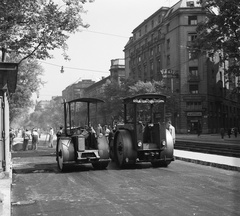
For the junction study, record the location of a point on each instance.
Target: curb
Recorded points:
(222, 166)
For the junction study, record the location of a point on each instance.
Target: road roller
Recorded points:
(79, 144)
(142, 135)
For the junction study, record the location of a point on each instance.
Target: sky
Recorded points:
(91, 50)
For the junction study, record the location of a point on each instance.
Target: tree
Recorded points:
(51, 115)
(220, 32)
(146, 87)
(31, 29)
(28, 82)
(114, 92)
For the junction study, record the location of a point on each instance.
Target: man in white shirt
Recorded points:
(172, 131)
(50, 145)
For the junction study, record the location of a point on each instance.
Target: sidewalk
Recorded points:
(5, 194)
(219, 161)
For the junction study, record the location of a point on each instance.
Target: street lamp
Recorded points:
(62, 70)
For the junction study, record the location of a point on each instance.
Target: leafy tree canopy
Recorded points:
(146, 87)
(114, 92)
(28, 82)
(33, 28)
(220, 31)
(50, 115)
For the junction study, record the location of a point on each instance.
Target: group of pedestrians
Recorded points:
(34, 135)
(105, 130)
(30, 135)
(229, 132)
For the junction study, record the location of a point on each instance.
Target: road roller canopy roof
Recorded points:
(149, 98)
(87, 100)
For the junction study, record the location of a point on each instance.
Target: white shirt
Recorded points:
(172, 132)
(51, 132)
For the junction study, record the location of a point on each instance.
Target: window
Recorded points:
(190, 3)
(192, 54)
(168, 59)
(145, 68)
(159, 18)
(134, 36)
(192, 36)
(192, 20)
(193, 89)
(145, 28)
(152, 23)
(151, 66)
(139, 59)
(158, 64)
(168, 25)
(152, 36)
(151, 52)
(168, 43)
(193, 71)
(196, 105)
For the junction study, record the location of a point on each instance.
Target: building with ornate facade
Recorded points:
(159, 50)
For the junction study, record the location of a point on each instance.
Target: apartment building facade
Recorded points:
(76, 90)
(159, 50)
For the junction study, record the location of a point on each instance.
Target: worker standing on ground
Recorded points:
(222, 132)
(172, 131)
(59, 133)
(34, 139)
(50, 141)
(99, 130)
(26, 138)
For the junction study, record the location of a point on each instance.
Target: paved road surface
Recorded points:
(181, 189)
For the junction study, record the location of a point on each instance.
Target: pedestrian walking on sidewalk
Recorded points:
(235, 132)
(199, 129)
(229, 132)
(222, 132)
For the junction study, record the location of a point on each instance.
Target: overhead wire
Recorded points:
(73, 68)
(103, 33)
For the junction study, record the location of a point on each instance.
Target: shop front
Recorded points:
(194, 122)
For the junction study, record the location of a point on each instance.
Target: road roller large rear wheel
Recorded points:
(65, 153)
(167, 153)
(123, 148)
(60, 153)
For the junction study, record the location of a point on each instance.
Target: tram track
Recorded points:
(223, 149)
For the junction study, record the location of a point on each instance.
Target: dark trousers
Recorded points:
(25, 144)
